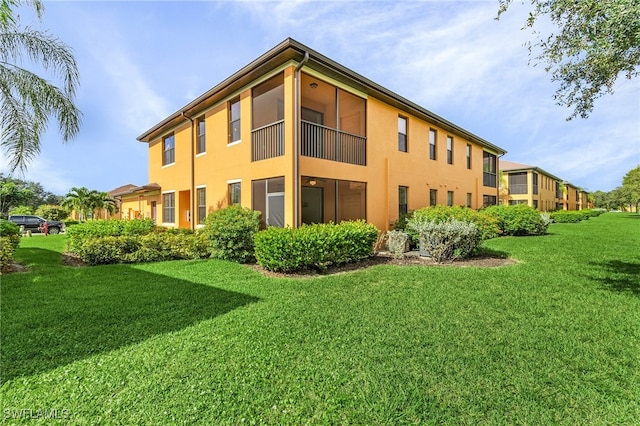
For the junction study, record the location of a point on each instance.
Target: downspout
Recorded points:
(193, 176)
(498, 177)
(296, 141)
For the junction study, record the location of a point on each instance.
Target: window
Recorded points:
(449, 198)
(468, 156)
(489, 200)
(234, 120)
(535, 204)
(201, 194)
(169, 207)
(402, 134)
(268, 198)
(489, 169)
(469, 197)
(433, 136)
(234, 193)
(518, 183)
(201, 147)
(402, 200)
(535, 183)
(433, 197)
(168, 150)
(449, 150)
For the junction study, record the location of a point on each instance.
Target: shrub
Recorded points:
(9, 241)
(77, 234)
(51, 212)
(154, 247)
(397, 242)
(21, 210)
(569, 216)
(314, 246)
(519, 219)
(447, 240)
(230, 231)
(487, 225)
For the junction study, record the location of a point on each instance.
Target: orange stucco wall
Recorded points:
(386, 169)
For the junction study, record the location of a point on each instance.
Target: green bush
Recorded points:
(154, 247)
(9, 242)
(519, 219)
(446, 240)
(569, 216)
(230, 231)
(51, 212)
(314, 246)
(487, 225)
(21, 210)
(77, 234)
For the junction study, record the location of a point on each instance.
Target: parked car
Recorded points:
(34, 223)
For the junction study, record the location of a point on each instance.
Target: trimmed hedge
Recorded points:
(230, 231)
(9, 242)
(155, 247)
(314, 246)
(570, 216)
(78, 234)
(519, 219)
(487, 225)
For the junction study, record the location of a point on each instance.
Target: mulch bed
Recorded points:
(383, 258)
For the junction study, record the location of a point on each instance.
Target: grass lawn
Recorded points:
(553, 339)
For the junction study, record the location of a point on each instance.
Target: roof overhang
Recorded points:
(291, 50)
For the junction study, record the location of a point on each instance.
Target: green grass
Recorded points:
(554, 339)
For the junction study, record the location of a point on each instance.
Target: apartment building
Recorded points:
(531, 185)
(303, 139)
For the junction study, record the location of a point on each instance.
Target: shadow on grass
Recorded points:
(621, 276)
(488, 252)
(53, 319)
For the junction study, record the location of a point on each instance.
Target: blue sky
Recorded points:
(140, 61)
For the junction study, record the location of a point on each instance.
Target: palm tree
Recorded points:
(102, 204)
(80, 200)
(27, 100)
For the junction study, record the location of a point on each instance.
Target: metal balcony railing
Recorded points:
(331, 144)
(518, 188)
(267, 141)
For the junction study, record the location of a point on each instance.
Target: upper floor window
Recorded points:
(449, 150)
(518, 183)
(402, 199)
(535, 183)
(201, 146)
(489, 169)
(234, 120)
(468, 156)
(433, 136)
(168, 150)
(402, 134)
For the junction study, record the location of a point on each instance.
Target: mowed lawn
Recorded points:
(553, 339)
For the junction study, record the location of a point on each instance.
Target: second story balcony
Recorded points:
(323, 142)
(520, 188)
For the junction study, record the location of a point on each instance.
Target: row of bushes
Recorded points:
(574, 216)
(9, 241)
(154, 247)
(232, 233)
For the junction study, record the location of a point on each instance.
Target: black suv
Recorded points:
(33, 223)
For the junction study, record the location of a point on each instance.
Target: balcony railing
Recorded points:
(267, 141)
(330, 144)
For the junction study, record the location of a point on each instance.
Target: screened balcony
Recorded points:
(332, 125)
(267, 136)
